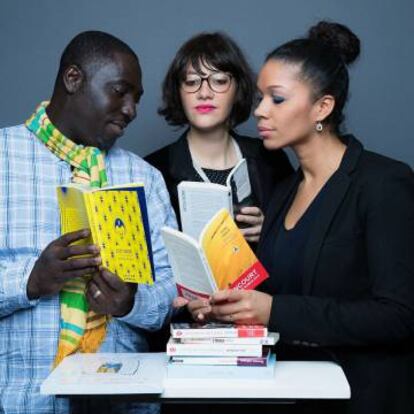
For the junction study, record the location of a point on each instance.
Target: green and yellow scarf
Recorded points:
(80, 329)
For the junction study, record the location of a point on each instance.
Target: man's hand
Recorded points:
(253, 217)
(241, 306)
(107, 294)
(57, 264)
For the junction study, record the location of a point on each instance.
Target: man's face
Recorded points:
(106, 102)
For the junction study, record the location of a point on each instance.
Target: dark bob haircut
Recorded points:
(323, 58)
(218, 52)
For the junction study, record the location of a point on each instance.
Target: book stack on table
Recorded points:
(218, 350)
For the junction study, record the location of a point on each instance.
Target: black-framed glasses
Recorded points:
(218, 82)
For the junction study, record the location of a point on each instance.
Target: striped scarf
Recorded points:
(80, 329)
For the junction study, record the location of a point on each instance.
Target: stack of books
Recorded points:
(220, 350)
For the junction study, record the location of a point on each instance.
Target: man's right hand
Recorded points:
(57, 264)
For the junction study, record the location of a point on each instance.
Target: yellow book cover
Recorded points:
(118, 220)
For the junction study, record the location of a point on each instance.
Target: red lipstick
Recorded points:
(205, 109)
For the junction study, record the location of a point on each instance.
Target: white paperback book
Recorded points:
(107, 373)
(271, 339)
(232, 372)
(174, 347)
(219, 259)
(199, 201)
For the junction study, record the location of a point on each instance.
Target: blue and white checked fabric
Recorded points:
(29, 221)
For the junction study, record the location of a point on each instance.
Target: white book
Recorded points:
(107, 373)
(270, 340)
(244, 361)
(216, 330)
(200, 201)
(220, 259)
(175, 348)
(233, 372)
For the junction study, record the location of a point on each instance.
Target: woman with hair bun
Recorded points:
(338, 236)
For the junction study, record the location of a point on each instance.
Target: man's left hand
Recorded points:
(107, 294)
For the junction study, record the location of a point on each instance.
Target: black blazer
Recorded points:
(265, 168)
(357, 299)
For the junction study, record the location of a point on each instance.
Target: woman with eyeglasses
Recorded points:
(209, 90)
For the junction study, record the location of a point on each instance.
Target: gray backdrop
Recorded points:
(380, 110)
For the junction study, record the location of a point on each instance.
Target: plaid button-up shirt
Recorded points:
(29, 221)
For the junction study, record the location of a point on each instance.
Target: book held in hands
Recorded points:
(220, 259)
(118, 219)
(200, 201)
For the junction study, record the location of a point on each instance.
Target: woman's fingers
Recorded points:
(179, 302)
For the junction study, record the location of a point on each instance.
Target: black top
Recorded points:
(283, 251)
(217, 176)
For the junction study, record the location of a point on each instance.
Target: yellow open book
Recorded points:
(220, 259)
(118, 220)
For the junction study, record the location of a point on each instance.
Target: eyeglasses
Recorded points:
(218, 82)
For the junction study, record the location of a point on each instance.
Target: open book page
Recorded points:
(199, 202)
(232, 261)
(107, 373)
(239, 182)
(191, 272)
(73, 211)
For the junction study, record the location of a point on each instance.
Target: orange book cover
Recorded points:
(220, 259)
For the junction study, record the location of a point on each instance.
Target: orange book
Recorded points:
(220, 259)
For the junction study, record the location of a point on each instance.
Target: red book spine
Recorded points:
(247, 332)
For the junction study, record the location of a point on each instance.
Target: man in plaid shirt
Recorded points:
(95, 96)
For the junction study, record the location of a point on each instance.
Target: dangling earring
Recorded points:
(319, 126)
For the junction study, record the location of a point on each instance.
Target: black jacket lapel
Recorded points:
(180, 162)
(335, 191)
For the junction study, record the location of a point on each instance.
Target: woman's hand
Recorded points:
(241, 306)
(253, 217)
(199, 308)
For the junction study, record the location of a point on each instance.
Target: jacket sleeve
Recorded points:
(386, 315)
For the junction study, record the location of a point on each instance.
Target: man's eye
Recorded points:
(118, 90)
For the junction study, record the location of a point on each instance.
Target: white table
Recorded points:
(293, 380)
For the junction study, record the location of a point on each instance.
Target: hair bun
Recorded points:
(338, 37)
